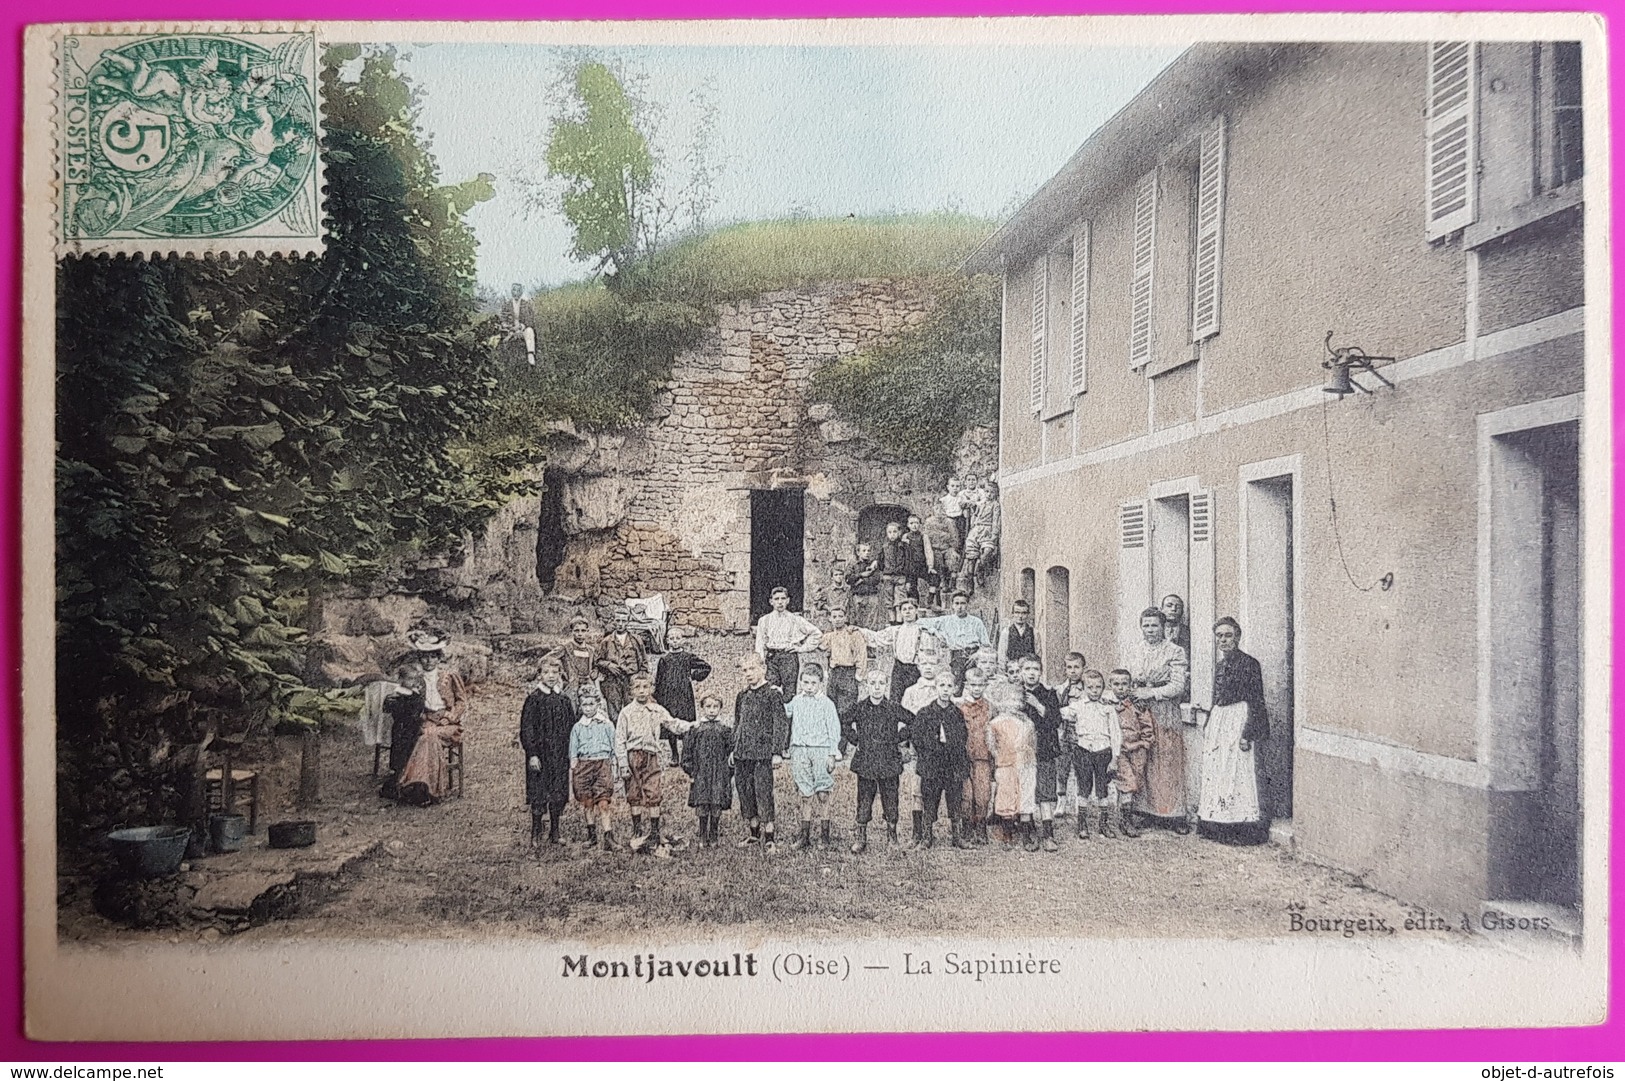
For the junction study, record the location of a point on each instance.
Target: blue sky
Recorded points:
(815, 130)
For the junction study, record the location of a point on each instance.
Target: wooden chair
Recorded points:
(223, 783)
(454, 767)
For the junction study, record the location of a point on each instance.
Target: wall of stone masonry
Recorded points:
(665, 507)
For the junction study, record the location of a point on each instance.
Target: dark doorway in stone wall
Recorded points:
(778, 519)
(872, 524)
(550, 530)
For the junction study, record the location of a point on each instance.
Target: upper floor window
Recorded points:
(1559, 135)
(1504, 135)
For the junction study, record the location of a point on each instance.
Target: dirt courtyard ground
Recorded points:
(464, 869)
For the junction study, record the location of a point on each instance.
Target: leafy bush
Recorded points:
(918, 393)
(231, 434)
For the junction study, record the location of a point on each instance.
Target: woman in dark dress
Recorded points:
(1230, 809)
(404, 708)
(544, 733)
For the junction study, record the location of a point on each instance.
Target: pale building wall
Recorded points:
(1323, 230)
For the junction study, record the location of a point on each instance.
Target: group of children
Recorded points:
(958, 721)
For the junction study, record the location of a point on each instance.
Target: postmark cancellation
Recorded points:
(189, 141)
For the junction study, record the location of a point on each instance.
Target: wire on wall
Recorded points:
(1387, 580)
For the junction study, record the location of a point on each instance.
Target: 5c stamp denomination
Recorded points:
(190, 142)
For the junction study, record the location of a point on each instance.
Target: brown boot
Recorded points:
(1106, 822)
(1125, 821)
(1083, 822)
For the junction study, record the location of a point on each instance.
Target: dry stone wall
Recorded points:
(666, 507)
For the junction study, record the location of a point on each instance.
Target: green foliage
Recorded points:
(918, 393)
(233, 433)
(602, 157)
(605, 348)
(759, 257)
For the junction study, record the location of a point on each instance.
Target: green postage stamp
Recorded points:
(188, 141)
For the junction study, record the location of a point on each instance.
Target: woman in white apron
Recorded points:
(1229, 809)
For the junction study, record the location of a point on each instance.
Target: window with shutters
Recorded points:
(1040, 332)
(1143, 263)
(1078, 332)
(1208, 233)
(1529, 121)
(1559, 136)
(1452, 137)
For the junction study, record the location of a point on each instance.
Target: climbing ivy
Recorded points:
(234, 434)
(918, 393)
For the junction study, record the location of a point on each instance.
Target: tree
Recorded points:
(234, 434)
(611, 177)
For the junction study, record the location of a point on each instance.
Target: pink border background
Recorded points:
(1604, 1042)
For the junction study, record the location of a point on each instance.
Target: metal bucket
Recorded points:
(226, 832)
(149, 851)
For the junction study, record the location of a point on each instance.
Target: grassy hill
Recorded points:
(758, 257)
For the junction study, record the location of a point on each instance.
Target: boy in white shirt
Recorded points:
(1097, 739)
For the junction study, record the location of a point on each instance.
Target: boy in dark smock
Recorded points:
(545, 721)
(938, 736)
(761, 736)
(1043, 708)
(675, 677)
(877, 727)
(707, 753)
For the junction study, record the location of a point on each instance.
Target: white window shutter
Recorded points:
(1133, 571)
(1452, 137)
(1145, 250)
(1079, 337)
(1208, 270)
(1201, 614)
(1040, 328)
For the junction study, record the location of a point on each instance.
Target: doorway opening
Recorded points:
(778, 520)
(550, 535)
(1057, 621)
(1269, 632)
(1534, 693)
(1170, 550)
(872, 524)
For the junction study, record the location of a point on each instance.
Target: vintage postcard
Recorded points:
(1031, 524)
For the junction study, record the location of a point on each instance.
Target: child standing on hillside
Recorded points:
(1014, 745)
(877, 727)
(848, 660)
(578, 661)
(592, 766)
(978, 713)
(707, 759)
(638, 732)
(761, 736)
(620, 656)
(675, 677)
(545, 723)
(815, 737)
(1139, 732)
(782, 637)
(1096, 741)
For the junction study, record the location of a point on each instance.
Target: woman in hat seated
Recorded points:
(426, 778)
